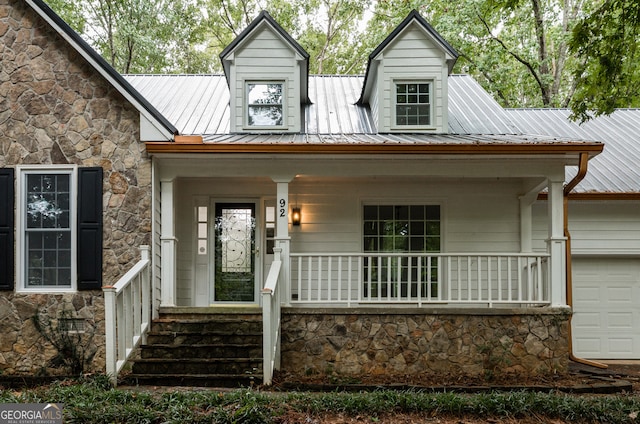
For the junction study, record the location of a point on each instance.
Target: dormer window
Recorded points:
(413, 104)
(265, 108)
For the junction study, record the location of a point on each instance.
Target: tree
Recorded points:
(607, 43)
(517, 49)
(70, 11)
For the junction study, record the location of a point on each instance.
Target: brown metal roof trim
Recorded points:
(598, 196)
(434, 148)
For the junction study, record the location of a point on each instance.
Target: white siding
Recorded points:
(223, 190)
(265, 56)
(477, 216)
(412, 56)
(596, 227)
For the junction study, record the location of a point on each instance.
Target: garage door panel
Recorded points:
(621, 347)
(620, 320)
(606, 321)
(587, 294)
(587, 320)
(588, 346)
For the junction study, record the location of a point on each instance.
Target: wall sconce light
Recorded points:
(295, 216)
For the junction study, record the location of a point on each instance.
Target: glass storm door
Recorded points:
(235, 229)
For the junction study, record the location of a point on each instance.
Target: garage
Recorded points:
(606, 300)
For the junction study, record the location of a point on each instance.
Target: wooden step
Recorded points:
(196, 380)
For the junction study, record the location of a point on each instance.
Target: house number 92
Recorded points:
(283, 210)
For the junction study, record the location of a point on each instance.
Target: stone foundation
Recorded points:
(461, 341)
(25, 351)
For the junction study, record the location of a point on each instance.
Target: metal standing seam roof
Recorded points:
(617, 168)
(199, 105)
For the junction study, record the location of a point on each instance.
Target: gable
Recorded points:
(267, 73)
(413, 57)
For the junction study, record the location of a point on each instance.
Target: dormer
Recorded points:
(267, 73)
(406, 80)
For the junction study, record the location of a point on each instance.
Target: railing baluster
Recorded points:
(349, 280)
(360, 281)
(319, 278)
(428, 278)
(299, 278)
(310, 266)
(520, 270)
(398, 284)
(529, 281)
(489, 286)
(389, 278)
(419, 281)
(499, 269)
(509, 280)
(339, 278)
(439, 278)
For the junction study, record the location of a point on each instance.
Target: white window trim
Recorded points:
(431, 82)
(21, 254)
(245, 111)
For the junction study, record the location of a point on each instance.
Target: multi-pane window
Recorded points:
(401, 229)
(265, 104)
(48, 229)
(413, 104)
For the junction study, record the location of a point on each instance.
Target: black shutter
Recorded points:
(89, 228)
(7, 239)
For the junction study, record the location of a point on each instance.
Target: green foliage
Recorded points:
(70, 11)
(94, 401)
(608, 43)
(526, 53)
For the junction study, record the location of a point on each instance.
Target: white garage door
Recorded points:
(606, 301)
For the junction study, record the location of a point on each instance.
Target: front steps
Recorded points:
(213, 347)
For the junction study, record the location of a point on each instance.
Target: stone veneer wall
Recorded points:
(56, 109)
(461, 341)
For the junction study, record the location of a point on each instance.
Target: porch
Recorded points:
(358, 313)
(437, 250)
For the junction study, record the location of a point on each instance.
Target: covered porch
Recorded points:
(430, 238)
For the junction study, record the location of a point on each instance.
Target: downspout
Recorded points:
(582, 171)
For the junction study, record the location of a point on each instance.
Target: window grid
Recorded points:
(48, 230)
(413, 104)
(401, 228)
(265, 104)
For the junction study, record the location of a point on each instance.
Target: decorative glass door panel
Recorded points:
(235, 229)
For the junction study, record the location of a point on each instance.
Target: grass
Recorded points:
(94, 401)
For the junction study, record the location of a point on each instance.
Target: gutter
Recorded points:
(582, 171)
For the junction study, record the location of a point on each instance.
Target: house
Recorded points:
(389, 223)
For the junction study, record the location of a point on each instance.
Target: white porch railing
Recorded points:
(407, 278)
(271, 300)
(127, 313)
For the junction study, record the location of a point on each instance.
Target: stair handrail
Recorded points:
(271, 319)
(127, 312)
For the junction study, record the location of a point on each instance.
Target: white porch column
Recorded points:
(168, 244)
(557, 244)
(526, 225)
(282, 234)
(526, 214)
